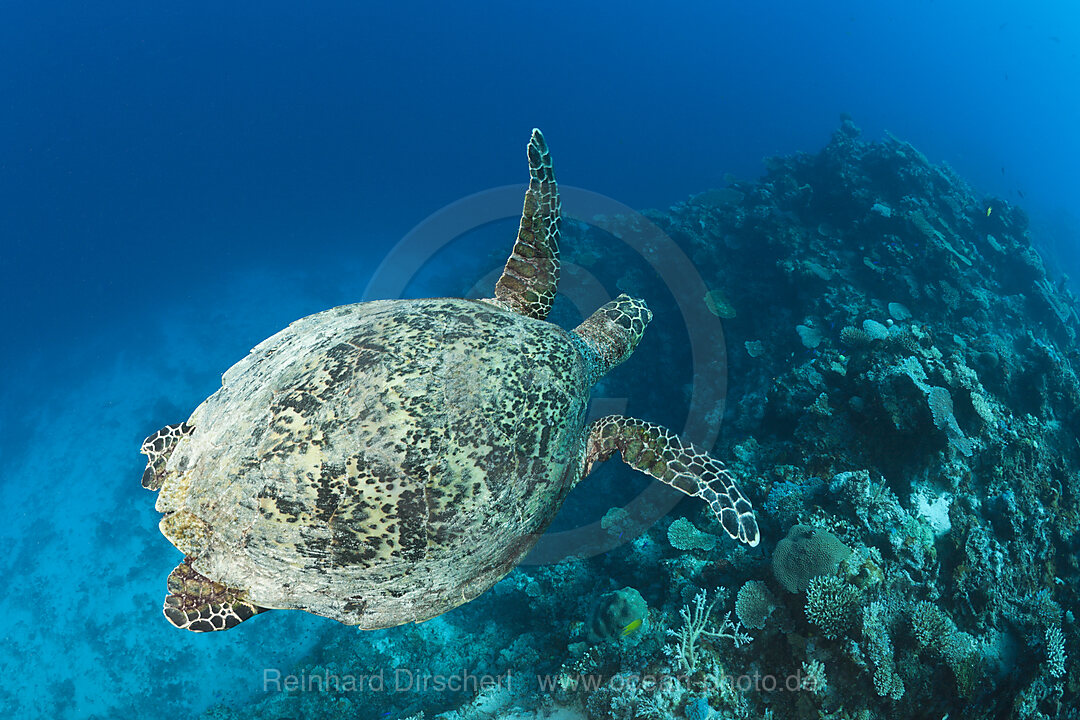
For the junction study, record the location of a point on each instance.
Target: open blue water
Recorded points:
(179, 181)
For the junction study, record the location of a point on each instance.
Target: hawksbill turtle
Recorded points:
(384, 462)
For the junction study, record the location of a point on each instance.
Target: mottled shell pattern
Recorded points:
(376, 462)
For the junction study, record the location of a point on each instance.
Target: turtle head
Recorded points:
(610, 334)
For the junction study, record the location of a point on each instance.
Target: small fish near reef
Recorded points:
(384, 462)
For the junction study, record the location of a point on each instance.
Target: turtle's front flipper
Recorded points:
(157, 448)
(657, 451)
(531, 277)
(198, 604)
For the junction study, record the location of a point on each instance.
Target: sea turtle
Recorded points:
(384, 462)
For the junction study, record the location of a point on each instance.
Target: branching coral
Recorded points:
(887, 682)
(934, 629)
(696, 626)
(1055, 652)
(831, 603)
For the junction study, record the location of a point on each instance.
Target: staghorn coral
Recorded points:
(695, 627)
(877, 632)
(854, 337)
(934, 630)
(929, 624)
(1055, 652)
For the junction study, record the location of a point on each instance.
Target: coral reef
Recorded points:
(905, 393)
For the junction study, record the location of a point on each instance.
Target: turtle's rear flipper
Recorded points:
(198, 604)
(531, 276)
(658, 452)
(157, 448)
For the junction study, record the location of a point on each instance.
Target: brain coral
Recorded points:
(805, 553)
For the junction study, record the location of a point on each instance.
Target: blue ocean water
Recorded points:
(179, 182)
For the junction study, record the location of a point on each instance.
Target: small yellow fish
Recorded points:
(631, 627)
(988, 209)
